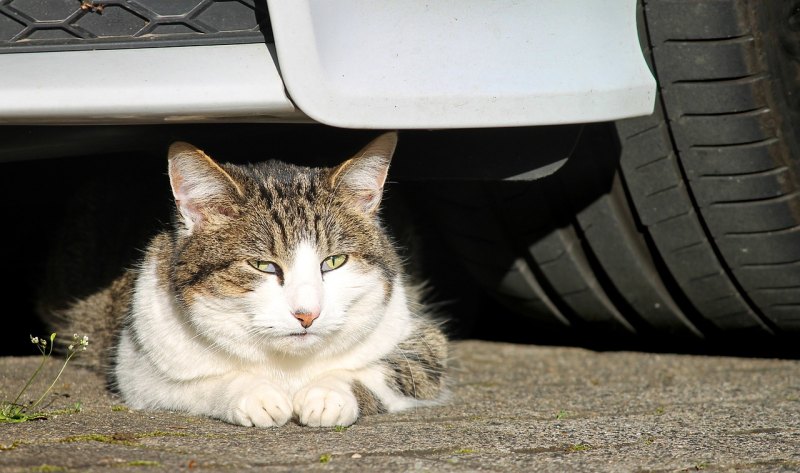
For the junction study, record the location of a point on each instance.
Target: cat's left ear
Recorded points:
(204, 192)
(362, 177)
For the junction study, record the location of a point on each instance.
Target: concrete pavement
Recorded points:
(513, 408)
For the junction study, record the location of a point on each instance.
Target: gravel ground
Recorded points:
(513, 408)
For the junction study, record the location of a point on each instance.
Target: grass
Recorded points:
(340, 428)
(13, 412)
(561, 414)
(325, 458)
(73, 409)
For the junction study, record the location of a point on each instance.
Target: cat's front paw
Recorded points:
(260, 404)
(326, 404)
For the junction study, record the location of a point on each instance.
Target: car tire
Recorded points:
(690, 228)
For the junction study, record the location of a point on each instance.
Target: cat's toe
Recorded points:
(263, 407)
(320, 406)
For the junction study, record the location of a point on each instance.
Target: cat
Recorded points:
(275, 295)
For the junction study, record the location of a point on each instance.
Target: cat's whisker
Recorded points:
(213, 347)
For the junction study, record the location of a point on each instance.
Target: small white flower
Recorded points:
(34, 340)
(75, 336)
(71, 347)
(84, 341)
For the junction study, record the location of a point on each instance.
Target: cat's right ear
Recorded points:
(204, 192)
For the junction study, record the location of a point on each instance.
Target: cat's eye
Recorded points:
(333, 262)
(265, 266)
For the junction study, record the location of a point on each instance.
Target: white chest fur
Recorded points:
(162, 353)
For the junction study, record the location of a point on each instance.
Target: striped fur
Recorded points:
(197, 327)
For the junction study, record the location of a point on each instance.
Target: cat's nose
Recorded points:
(306, 317)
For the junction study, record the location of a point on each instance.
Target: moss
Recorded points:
(48, 468)
(465, 451)
(340, 428)
(122, 438)
(119, 408)
(11, 446)
(562, 414)
(160, 433)
(89, 438)
(325, 458)
(143, 463)
(579, 447)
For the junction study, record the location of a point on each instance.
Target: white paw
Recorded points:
(326, 404)
(259, 404)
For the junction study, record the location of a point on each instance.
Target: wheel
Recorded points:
(685, 223)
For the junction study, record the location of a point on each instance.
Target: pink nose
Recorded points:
(305, 317)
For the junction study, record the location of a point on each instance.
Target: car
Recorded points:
(617, 170)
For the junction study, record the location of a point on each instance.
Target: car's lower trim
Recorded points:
(155, 85)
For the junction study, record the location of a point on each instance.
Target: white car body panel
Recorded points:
(176, 84)
(360, 64)
(461, 63)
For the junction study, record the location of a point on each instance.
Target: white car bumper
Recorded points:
(360, 64)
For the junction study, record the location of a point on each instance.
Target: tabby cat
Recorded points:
(275, 295)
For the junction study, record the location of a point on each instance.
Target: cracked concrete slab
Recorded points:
(513, 408)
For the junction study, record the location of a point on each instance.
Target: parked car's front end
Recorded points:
(653, 146)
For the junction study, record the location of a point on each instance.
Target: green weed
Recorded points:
(13, 411)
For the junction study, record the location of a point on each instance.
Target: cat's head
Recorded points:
(276, 257)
